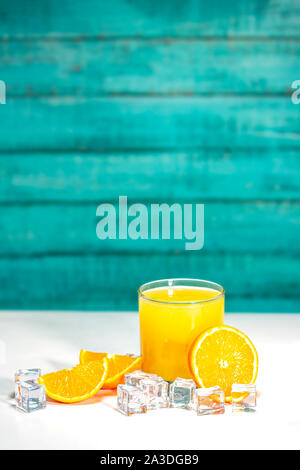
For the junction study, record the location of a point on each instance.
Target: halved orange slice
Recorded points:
(221, 356)
(76, 384)
(118, 365)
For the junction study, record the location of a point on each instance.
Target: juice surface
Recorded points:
(168, 329)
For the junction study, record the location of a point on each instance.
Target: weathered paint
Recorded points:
(162, 102)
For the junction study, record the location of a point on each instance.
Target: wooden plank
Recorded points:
(93, 68)
(111, 281)
(262, 305)
(150, 18)
(256, 227)
(70, 123)
(200, 175)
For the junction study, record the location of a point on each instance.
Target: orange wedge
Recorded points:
(117, 365)
(221, 356)
(76, 384)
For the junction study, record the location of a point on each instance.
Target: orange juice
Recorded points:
(172, 314)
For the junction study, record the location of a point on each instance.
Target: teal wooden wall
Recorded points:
(163, 101)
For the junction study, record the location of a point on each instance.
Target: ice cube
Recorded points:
(209, 401)
(134, 378)
(182, 393)
(31, 396)
(131, 400)
(22, 375)
(156, 392)
(243, 397)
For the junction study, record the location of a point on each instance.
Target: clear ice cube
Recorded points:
(31, 396)
(23, 375)
(156, 392)
(131, 400)
(243, 397)
(182, 393)
(134, 378)
(209, 401)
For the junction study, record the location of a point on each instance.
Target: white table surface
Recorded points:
(53, 340)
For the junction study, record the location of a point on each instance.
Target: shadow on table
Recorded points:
(7, 393)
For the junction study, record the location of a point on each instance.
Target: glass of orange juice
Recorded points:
(173, 312)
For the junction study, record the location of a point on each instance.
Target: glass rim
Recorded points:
(217, 287)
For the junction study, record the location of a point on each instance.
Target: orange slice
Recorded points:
(76, 384)
(117, 365)
(221, 356)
